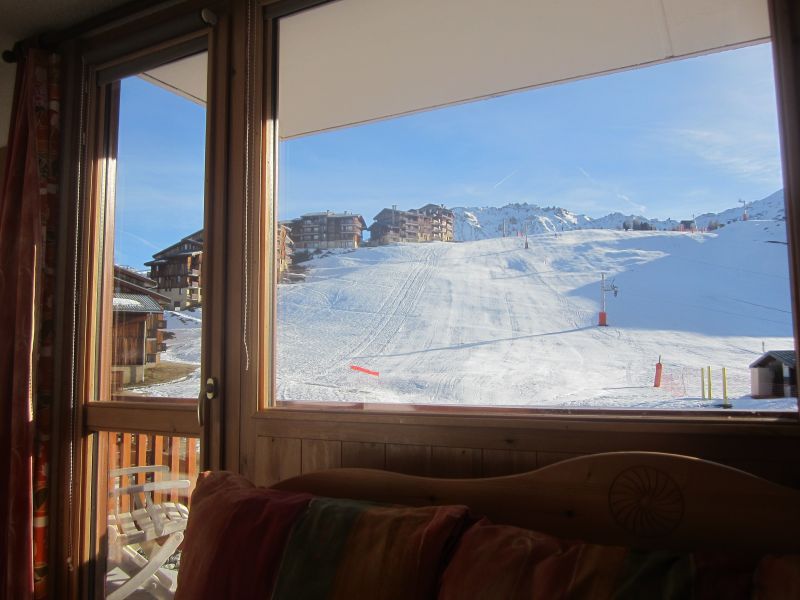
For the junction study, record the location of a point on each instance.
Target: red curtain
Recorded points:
(28, 225)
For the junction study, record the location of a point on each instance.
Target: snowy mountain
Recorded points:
(489, 222)
(472, 223)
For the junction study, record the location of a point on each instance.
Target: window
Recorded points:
(160, 156)
(261, 444)
(143, 379)
(496, 269)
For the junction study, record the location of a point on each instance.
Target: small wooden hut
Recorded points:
(773, 375)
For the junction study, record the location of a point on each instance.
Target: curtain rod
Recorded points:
(93, 25)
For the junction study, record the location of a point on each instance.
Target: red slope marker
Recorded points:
(363, 370)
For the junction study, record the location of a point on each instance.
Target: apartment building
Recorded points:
(327, 230)
(432, 222)
(177, 271)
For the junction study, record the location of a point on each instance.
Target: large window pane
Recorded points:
(158, 234)
(616, 242)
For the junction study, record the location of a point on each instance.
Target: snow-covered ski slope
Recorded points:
(490, 323)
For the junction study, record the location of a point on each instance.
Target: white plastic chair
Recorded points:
(142, 526)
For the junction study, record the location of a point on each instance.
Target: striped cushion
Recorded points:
(347, 549)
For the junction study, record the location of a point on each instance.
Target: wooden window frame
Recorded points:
(242, 428)
(785, 61)
(279, 440)
(104, 50)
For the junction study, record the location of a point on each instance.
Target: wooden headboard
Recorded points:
(641, 499)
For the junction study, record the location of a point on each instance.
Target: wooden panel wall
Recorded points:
(291, 442)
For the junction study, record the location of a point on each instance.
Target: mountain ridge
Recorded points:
(478, 223)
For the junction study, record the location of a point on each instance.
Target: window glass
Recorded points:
(614, 242)
(150, 321)
(158, 233)
(150, 482)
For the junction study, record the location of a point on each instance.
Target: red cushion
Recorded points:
(235, 537)
(494, 561)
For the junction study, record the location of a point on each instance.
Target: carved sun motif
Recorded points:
(645, 501)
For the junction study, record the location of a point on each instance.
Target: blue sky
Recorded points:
(685, 137)
(160, 171)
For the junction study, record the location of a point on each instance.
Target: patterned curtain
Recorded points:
(28, 226)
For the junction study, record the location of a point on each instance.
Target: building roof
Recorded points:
(127, 273)
(388, 213)
(125, 286)
(333, 215)
(785, 357)
(196, 239)
(135, 303)
(198, 236)
(435, 207)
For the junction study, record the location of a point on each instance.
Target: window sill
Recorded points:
(533, 413)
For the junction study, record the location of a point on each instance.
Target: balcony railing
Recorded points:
(180, 454)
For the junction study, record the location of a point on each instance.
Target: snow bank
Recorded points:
(185, 319)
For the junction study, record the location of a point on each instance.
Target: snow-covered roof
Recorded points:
(138, 303)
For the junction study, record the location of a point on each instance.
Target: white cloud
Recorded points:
(588, 177)
(607, 190)
(641, 208)
(504, 179)
(743, 152)
(141, 240)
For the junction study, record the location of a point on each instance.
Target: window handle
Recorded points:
(208, 394)
(209, 17)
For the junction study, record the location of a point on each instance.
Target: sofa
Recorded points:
(245, 541)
